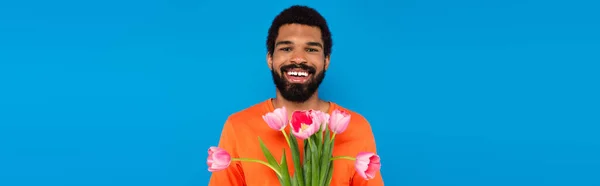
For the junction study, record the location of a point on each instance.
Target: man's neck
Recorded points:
(313, 103)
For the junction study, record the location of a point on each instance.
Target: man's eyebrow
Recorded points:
(283, 43)
(314, 44)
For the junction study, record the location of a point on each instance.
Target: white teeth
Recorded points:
(298, 73)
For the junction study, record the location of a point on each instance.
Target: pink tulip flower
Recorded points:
(277, 119)
(367, 164)
(218, 159)
(303, 125)
(320, 118)
(339, 120)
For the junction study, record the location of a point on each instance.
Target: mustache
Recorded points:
(302, 66)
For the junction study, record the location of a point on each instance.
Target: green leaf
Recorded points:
(319, 141)
(314, 162)
(330, 167)
(306, 164)
(285, 174)
(298, 172)
(315, 149)
(320, 144)
(271, 160)
(325, 158)
(329, 173)
(282, 160)
(308, 175)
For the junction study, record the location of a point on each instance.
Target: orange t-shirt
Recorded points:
(240, 138)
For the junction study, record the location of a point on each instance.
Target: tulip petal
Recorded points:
(339, 121)
(367, 164)
(277, 120)
(218, 159)
(302, 124)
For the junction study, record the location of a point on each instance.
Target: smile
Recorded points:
(297, 75)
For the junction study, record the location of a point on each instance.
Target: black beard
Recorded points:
(296, 92)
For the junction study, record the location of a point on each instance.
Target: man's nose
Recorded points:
(298, 60)
(298, 57)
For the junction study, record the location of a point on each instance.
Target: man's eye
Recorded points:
(311, 50)
(285, 49)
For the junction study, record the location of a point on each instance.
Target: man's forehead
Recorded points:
(309, 43)
(299, 30)
(298, 34)
(286, 41)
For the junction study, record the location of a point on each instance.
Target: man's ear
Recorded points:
(269, 60)
(327, 58)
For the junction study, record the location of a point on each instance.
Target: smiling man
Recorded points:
(298, 54)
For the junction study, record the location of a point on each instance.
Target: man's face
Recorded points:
(298, 63)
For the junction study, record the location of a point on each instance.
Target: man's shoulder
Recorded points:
(251, 112)
(358, 128)
(355, 116)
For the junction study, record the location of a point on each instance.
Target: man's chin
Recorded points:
(303, 84)
(296, 94)
(297, 91)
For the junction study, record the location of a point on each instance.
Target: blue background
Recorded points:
(465, 93)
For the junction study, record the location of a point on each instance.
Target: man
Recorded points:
(299, 47)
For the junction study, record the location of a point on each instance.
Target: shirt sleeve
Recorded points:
(369, 146)
(233, 175)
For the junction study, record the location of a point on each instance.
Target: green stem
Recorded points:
(310, 145)
(333, 136)
(286, 138)
(343, 157)
(257, 161)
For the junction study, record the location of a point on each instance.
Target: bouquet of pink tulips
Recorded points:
(317, 130)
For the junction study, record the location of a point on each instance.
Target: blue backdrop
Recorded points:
(465, 93)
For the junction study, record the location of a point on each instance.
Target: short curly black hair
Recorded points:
(304, 15)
